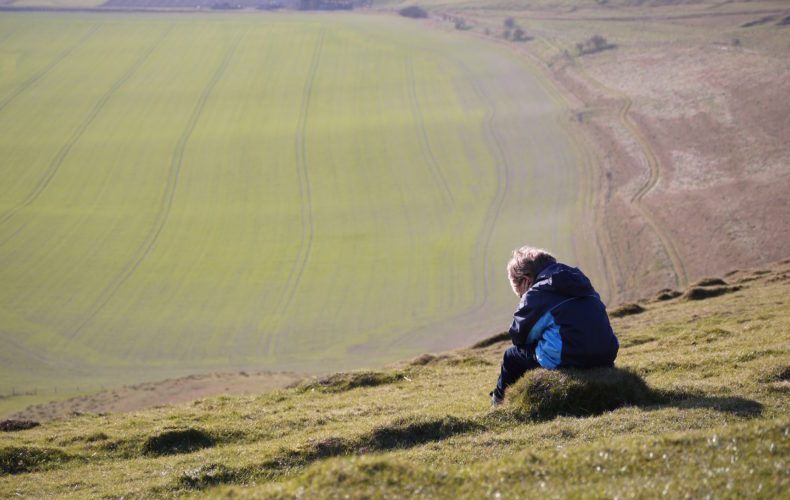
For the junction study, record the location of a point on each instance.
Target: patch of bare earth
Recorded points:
(161, 393)
(715, 114)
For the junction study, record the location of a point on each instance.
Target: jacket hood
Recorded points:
(564, 280)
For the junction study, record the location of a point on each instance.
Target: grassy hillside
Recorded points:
(298, 192)
(704, 375)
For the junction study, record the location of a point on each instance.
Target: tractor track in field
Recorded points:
(670, 247)
(483, 239)
(422, 136)
(654, 173)
(167, 198)
(57, 161)
(306, 245)
(46, 69)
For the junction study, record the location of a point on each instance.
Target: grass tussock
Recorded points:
(21, 459)
(707, 282)
(494, 339)
(667, 294)
(701, 293)
(177, 441)
(341, 382)
(17, 425)
(779, 373)
(546, 394)
(626, 310)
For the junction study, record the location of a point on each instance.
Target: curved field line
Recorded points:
(482, 241)
(422, 136)
(306, 244)
(57, 161)
(588, 194)
(167, 197)
(670, 248)
(46, 69)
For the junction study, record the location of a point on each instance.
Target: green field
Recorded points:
(303, 192)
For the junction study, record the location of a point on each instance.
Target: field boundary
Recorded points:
(167, 198)
(57, 161)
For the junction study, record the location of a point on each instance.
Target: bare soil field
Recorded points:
(687, 114)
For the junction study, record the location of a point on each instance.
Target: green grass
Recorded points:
(697, 406)
(299, 192)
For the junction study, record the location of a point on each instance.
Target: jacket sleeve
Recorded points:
(525, 317)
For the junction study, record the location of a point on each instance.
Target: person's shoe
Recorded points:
(496, 400)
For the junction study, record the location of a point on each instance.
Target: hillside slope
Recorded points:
(717, 358)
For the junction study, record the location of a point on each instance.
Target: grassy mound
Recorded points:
(706, 282)
(667, 294)
(177, 441)
(626, 310)
(546, 394)
(341, 382)
(701, 293)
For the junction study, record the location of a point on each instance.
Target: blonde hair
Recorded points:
(528, 262)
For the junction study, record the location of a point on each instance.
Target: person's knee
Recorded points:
(512, 357)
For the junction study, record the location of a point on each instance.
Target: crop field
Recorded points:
(284, 192)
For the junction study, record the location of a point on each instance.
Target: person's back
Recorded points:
(563, 315)
(560, 322)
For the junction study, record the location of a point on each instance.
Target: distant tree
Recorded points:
(506, 34)
(510, 23)
(520, 36)
(595, 43)
(460, 24)
(413, 11)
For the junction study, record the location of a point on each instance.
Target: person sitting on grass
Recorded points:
(560, 322)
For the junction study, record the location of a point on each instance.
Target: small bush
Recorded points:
(545, 394)
(595, 43)
(177, 441)
(626, 310)
(413, 12)
(21, 459)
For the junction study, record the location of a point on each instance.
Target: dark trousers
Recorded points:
(515, 363)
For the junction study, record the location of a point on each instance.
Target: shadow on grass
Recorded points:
(405, 432)
(546, 394)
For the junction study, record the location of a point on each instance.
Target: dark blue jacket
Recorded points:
(563, 318)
